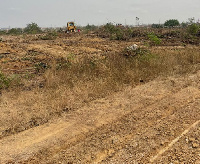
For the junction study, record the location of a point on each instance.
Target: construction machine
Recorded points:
(71, 27)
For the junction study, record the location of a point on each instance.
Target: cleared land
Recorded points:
(77, 99)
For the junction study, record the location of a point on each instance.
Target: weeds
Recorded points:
(115, 32)
(4, 81)
(74, 80)
(41, 67)
(49, 36)
(154, 40)
(62, 63)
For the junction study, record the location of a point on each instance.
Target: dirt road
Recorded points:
(158, 122)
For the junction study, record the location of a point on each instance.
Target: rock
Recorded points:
(192, 139)
(162, 143)
(195, 145)
(133, 47)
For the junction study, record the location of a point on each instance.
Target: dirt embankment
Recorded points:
(158, 122)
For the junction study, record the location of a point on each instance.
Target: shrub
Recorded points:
(4, 81)
(2, 32)
(15, 31)
(193, 29)
(157, 26)
(32, 28)
(115, 32)
(154, 40)
(90, 27)
(49, 36)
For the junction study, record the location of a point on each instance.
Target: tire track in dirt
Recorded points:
(186, 150)
(108, 141)
(132, 120)
(162, 151)
(104, 111)
(178, 101)
(150, 139)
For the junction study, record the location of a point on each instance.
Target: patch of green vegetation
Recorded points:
(193, 29)
(117, 33)
(88, 28)
(157, 26)
(4, 81)
(65, 62)
(154, 40)
(2, 32)
(147, 56)
(15, 31)
(49, 36)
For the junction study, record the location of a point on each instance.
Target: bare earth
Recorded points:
(158, 122)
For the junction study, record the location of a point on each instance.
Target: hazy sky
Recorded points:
(52, 13)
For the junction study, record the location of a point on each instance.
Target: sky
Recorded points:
(56, 13)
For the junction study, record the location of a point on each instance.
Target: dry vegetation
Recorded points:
(43, 79)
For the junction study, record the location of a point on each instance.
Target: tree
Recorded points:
(172, 23)
(32, 28)
(191, 20)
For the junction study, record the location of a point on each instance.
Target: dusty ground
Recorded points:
(20, 54)
(156, 122)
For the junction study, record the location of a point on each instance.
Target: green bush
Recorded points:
(117, 33)
(157, 26)
(49, 36)
(154, 40)
(193, 29)
(32, 28)
(90, 27)
(15, 31)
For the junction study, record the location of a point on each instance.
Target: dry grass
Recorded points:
(71, 83)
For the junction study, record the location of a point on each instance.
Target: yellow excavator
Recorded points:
(71, 27)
